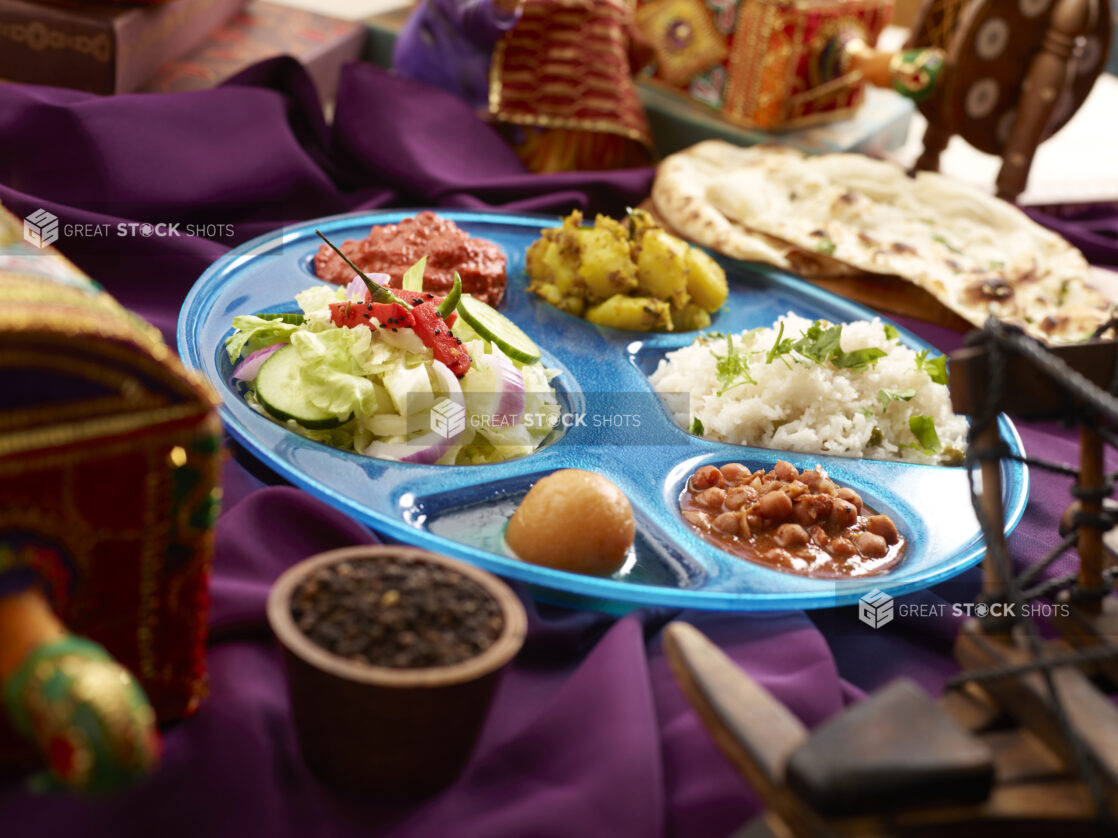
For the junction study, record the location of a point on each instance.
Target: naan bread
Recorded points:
(977, 255)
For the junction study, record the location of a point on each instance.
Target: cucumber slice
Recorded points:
(494, 327)
(277, 388)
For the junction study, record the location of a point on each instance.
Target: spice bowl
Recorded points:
(393, 655)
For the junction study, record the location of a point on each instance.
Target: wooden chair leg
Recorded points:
(1041, 89)
(936, 137)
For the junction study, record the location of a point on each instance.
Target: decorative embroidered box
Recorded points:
(108, 468)
(769, 64)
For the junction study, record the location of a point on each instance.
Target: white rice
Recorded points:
(800, 405)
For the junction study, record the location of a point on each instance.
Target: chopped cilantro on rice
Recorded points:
(850, 390)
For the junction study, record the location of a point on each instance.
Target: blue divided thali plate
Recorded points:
(461, 510)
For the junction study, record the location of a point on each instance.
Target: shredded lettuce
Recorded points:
(331, 374)
(255, 333)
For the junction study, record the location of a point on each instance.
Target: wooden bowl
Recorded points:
(389, 732)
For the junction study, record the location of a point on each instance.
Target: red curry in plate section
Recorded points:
(393, 248)
(788, 520)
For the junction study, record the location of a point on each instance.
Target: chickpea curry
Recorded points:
(790, 520)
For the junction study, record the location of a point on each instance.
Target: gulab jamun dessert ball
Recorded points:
(573, 520)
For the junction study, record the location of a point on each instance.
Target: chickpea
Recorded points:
(740, 496)
(712, 497)
(819, 536)
(783, 470)
(842, 548)
(812, 478)
(775, 505)
(705, 477)
(727, 522)
(803, 514)
(870, 545)
(791, 535)
(754, 521)
(573, 520)
(843, 512)
(883, 525)
(696, 517)
(734, 472)
(850, 496)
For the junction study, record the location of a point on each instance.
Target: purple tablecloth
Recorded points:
(589, 735)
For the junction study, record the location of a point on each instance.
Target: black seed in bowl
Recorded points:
(396, 613)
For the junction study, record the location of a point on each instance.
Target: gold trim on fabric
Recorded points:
(23, 316)
(158, 597)
(76, 538)
(131, 395)
(39, 38)
(156, 362)
(575, 124)
(48, 296)
(11, 420)
(52, 459)
(23, 442)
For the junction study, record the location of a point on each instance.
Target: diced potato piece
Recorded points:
(548, 291)
(612, 226)
(690, 317)
(640, 222)
(706, 281)
(662, 267)
(639, 314)
(545, 265)
(606, 268)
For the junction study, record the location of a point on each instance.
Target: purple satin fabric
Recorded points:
(589, 734)
(1093, 228)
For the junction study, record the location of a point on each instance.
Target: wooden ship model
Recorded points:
(1024, 741)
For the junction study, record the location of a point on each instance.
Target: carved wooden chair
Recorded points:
(1016, 71)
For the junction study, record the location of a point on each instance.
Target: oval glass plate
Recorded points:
(462, 510)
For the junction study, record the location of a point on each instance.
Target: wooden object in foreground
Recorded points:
(1016, 72)
(390, 732)
(1024, 742)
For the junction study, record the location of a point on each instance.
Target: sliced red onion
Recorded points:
(250, 366)
(356, 290)
(510, 387)
(429, 448)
